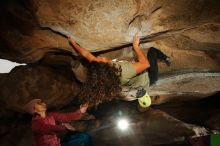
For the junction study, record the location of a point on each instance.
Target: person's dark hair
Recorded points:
(102, 83)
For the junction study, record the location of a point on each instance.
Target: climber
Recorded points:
(44, 125)
(106, 79)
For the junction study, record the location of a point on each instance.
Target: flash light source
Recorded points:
(123, 124)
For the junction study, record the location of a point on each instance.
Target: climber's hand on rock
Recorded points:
(70, 39)
(136, 40)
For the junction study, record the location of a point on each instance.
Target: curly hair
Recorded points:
(102, 83)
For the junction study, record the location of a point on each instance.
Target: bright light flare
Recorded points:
(123, 124)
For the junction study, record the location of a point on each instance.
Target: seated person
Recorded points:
(45, 128)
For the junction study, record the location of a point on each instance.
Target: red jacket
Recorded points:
(45, 129)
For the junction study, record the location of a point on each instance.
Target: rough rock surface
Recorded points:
(35, 31)
(187, 31)
(55, 85)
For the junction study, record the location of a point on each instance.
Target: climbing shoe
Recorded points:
(168, 61)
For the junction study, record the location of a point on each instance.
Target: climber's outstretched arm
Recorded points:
(86, 54)
(142, 63)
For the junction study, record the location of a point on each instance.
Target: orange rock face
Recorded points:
(187, 31)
